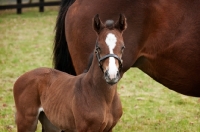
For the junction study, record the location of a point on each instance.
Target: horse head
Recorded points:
(110, 46)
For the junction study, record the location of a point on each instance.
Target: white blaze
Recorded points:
(111, 42)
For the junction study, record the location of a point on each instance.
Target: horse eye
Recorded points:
(98, 49)
(123, 47)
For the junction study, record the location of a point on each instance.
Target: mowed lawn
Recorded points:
(26, 43)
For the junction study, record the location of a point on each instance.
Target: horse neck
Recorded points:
(97, 84)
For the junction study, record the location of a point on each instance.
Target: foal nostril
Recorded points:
(106, 73)
(118, 75)
(111, 78)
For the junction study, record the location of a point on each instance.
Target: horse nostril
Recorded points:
(106, 73)
(118, 75)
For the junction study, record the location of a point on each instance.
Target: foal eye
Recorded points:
(98, 49)
(123, 47)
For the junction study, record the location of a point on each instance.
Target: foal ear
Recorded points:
(97, 24)
(121, 24)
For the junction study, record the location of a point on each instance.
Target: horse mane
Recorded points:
(109, 24)
(89, 63)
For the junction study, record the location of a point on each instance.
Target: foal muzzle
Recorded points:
(113, 80)
(106, 74)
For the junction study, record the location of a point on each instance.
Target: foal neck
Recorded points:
(95, 79)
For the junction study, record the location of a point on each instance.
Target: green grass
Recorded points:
(26, 43)
(150, 107)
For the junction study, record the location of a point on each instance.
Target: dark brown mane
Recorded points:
(89, 63)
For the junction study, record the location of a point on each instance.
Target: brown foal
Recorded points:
(85, 103)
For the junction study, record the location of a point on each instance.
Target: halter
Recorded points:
(105, 57)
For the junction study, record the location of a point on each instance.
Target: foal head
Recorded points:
(110, 46)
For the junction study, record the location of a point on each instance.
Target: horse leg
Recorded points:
(47, 126)
(26, 123)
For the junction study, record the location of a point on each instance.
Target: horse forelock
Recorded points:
(109, 24)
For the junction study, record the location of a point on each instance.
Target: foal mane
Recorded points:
(89, 63)
(110, 24)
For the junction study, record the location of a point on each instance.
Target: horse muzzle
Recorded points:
(111, 79)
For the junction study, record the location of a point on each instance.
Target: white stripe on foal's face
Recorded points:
(111, 42)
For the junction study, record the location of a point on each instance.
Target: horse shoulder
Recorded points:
(116, 109)
(87, 115)
(90, 115)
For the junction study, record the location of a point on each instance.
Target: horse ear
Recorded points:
(97, 24)
(121, 24)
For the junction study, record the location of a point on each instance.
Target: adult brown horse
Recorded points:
(163, 38)
(85, 103)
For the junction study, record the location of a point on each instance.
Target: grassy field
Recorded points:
(26, 43)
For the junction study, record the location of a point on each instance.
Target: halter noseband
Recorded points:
(105, 57)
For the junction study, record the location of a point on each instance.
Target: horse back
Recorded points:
(35, 82)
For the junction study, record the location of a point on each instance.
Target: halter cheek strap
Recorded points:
(105, 57)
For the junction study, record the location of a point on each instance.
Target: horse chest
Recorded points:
(101, 119)
(96, 122)
(108, 122)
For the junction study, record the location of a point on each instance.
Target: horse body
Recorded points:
(162, 39)
(85, 103)
(69, 102)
